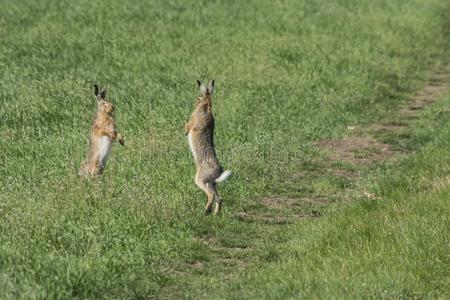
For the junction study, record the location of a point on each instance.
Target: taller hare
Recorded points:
(200, 133)
(103, 134)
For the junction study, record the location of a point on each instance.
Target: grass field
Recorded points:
(291, 78)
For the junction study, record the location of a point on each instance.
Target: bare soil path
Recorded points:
(344, 157)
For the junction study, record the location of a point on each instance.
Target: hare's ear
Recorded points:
(201, 87)
(211, 87)
(96, 91)
(103, 94)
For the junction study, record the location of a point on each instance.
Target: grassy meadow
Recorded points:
(288, 74)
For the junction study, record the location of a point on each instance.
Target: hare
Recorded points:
(103, 134)
(200, 132)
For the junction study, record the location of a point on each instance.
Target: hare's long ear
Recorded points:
(103, 94)
(211, 87)
(96, 91)
(201, 87)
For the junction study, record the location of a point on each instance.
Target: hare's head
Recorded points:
(103, 104)
(204, 101)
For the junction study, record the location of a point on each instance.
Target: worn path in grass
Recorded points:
(346, 158)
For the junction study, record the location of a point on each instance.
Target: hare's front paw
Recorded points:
(112, 135)
(121, 139)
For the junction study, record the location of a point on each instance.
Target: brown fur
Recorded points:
(102, 126)
(200, 131)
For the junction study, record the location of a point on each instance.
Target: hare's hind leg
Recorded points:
(94, 168)
(206, 188)
(217, 201)
(82, 171)
(208, 207)
(210, 194)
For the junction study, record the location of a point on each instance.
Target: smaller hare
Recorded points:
(103, 134)
(200, 132)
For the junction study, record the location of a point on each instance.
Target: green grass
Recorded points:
(395, 246)
(287, 73)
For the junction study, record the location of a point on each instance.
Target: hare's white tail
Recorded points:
(224, 176)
